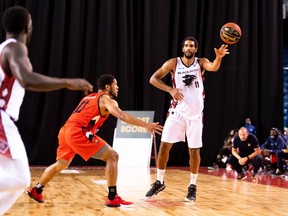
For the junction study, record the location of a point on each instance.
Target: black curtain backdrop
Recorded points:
(131, 39)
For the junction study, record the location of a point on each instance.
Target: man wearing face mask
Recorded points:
(251, 128)
(272, 147)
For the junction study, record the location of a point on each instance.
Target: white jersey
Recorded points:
(190, 81)
(14, 167)
(11, 92)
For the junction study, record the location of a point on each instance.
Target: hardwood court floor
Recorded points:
(82, 191)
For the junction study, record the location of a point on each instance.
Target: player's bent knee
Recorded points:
(112, 156)
(115, 156)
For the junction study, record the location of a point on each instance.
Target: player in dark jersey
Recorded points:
(245, 150)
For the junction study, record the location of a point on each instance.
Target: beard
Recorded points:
(113, 95)
(189, 56)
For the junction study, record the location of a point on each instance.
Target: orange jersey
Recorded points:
(78, 135)
(87, 113)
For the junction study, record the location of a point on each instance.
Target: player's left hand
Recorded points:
(154, 127)
(222, 51)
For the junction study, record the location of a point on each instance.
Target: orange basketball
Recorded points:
(230, 33)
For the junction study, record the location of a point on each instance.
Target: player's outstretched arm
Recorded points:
(215, 65)
(113, 109)
(21, 68)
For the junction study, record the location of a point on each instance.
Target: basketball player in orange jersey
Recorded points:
(78, 135)
(16, 75)
(185, 113)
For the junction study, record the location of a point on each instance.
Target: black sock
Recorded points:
(39, 188)
(112, 191)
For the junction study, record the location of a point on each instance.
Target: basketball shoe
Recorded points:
(191, 196)
(34, 195)
(117, 202)
(156, 188)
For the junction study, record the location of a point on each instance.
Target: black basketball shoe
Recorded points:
(156, 188)
(191, 196)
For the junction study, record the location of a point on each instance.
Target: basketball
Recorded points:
(230, 33)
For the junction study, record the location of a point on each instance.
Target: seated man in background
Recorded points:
(274, 145)
(245, 151)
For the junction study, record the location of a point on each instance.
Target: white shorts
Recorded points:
(9, 134)
(14, 170)
(176, 127)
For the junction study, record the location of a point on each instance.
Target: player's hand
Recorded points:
(222, 51)
(154, 127)
(80, 84)
(176, 94)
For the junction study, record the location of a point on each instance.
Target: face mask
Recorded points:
(272, 136)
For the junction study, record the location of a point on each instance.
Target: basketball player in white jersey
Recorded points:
(16, 75)
(185, 112)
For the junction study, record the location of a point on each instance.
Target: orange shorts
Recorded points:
(72, 140)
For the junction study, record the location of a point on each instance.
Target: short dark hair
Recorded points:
(191, 39)
(104, 79)
(15, 19)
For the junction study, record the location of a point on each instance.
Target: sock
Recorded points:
(39, 188)
(112, 191)
(193, 178)
(160, 175)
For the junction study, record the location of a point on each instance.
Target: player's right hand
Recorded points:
(176, 94)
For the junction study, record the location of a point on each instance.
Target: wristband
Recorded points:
(248, 157)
